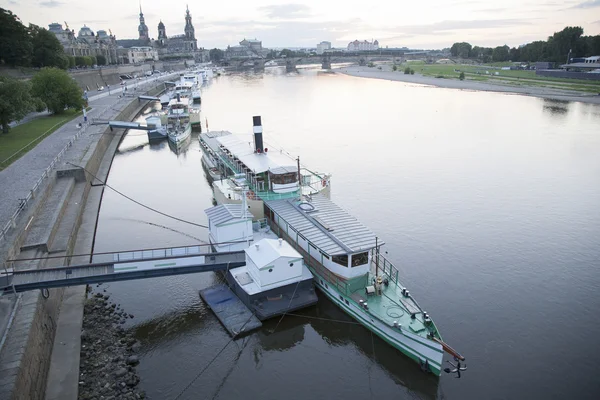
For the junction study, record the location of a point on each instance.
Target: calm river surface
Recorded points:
(489, 204)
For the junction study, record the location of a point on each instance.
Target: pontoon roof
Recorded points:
(328, 227)
(225, 213)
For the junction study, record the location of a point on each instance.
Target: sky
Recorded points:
(432, 24)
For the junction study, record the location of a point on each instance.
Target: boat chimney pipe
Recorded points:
(258, 137)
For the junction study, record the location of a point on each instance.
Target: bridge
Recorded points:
(124, 266)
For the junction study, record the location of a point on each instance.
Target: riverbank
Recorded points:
(108, 357)
(387, 74)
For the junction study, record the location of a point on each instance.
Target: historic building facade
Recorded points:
(363, 45)
(86, 43)
(180, 46)
(247, 49)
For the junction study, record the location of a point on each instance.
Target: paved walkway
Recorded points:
(18, 179)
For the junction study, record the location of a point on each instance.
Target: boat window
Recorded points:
(342, 260)
(282, 179)
(360, 259)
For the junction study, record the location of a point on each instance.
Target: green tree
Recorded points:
(47, 50)
(395, 68)
(287, 53)
(71, 61)
(216, 55)
(272, 54)
(95, 60)
(100, 59)
(461, 76)
(15, 43)
(412, 71)
(88, 61)
(15, 101)
(501, 53)
(80, 61)
(460, 49)
(56, 89)
(406, 70)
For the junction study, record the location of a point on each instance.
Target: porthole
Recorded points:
(291, 264)
(270, 269)
(347, 302)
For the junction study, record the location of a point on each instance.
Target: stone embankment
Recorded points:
(108, 353)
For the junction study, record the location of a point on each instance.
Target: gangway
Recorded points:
(149, 98)
(123, 125)
(125, 266)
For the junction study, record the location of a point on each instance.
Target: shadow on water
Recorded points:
(338, 330)
(557, 108)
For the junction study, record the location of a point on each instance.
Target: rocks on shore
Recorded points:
(108, 360)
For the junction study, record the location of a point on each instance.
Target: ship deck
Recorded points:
(392, 306)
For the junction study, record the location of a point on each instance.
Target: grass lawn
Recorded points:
(514, 77)
(24, 137)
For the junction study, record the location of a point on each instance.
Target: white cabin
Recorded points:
(273, 263)
(230, 229)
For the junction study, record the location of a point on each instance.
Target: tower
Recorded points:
(189, 29)
(143, 29)
(162, 34)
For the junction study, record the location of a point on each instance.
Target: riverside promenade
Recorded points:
(40, 330)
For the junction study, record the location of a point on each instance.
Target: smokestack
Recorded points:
(258, 131)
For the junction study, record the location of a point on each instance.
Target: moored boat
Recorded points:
(342, 254)
(179, 128)
(275, 279)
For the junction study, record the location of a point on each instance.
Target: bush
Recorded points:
(406, 71)
(395, 68)
(100, 59)
(56, 89)
(80, 61)
(370, 65)
(412, 71)
(461, 76)
(71, 61)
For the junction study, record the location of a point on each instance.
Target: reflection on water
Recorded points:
(494, 224)
(556, 107)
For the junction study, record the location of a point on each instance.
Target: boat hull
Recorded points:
(275, 302)
(181, 138)
(417, 348)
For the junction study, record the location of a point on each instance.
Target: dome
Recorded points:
(85, 31)
(161, 25)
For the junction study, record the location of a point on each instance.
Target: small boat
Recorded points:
(179, 127)
(275, 279)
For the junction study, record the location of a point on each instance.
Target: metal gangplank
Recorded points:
(125, 266)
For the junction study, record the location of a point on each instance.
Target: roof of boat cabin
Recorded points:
(210, 138)
(328, 227)
(226, 212)
(257, 162)
(265, 251)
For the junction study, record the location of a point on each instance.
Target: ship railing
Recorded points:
(383, 265)
(159, 253)
(259, 225)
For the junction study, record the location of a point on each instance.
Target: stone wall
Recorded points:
(26, 353)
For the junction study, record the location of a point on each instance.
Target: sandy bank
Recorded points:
(387, 74)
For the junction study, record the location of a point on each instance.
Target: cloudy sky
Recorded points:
(303, 23)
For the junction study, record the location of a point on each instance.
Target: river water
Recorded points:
(488, 203)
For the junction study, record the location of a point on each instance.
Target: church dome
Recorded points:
(161, 25)
(85, 32)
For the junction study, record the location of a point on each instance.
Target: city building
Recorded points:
(248, 48)
(363, 45)
(180, 46)
(141, 54)
(144, 36)
(86, 43)
(323, 47)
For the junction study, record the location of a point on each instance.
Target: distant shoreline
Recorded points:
(546, 93)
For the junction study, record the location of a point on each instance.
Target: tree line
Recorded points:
(555, 49)
(50, 88)
(34, 46)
